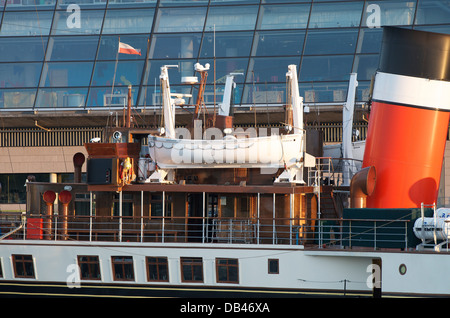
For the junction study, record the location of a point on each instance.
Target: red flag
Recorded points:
(128, 49)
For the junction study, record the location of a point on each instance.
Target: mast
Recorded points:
(347, 130)
(295, 98)
(168, 102)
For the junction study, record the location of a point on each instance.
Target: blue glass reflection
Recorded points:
(336, 15)
(72, 48)
(228, 44)
(170, 46)
(30, 49)
(127, 73)
(326, 68)
(284, 17)
(180, 19)
(231, 18)
(278, 43)
(128, 21)
(433, 12)
(64, 74)
(27, 23)
(331, 41)
(19, 75)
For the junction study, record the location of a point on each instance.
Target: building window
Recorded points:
(89, 267)
(23, 266)
(227, 270)
(273, 266)
(192, 269)
(157, 269)
(122, 267)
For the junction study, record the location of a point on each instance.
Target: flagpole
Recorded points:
(114, 76)
(214, 54)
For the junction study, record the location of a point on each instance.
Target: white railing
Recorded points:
(337, 233)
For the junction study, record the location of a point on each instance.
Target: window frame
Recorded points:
(23, 260)
(92, 260)
(192, 263)
(271, 261)
(122, 263)
(227, 266)
(159, 262)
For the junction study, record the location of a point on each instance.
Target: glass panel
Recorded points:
(272, 43)
(84, 4)
(22, 49)
(445, 29)
(131, 3)
(180, 20)
(66, 74)
(167, 3)
(127, 73)
(26, 23)
(17, 98)
(185, 68)
(225, 67)
(104, 96)
(234, 2)
(228, 44)
(366, 66)
(232, 18)
(331, 41)
(29, 5)
(72, 48)
(326, 68)
(369, 40)
(128, 21)
(318, 92)
(363, 91)
(284, 17)
(398, 12)
(109, 45)
(151, 96)
(61, 97)
(262, 94)
(332, 15)
(433, 12)
(19, 74)
(166, 46)
(90, 23)
(269, 69)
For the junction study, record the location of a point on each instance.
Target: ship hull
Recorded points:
(301, 273)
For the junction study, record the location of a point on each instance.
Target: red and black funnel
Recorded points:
(409, 118)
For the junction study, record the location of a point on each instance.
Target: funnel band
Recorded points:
(412, 91)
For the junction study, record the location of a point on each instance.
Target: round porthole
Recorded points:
(402, 269)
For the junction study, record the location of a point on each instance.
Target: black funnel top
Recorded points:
(415, 53)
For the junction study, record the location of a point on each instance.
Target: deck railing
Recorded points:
(288, 231)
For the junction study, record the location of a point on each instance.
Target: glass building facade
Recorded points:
(62, 54)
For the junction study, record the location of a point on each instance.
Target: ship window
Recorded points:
(227, 270)
(273, 266)
(23, 266)
(89, 267)
(122, 267)
(157, 205)
(127, 204)
(192, 269)
(157, 269)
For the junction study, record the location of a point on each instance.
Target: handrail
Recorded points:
(338, 233)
